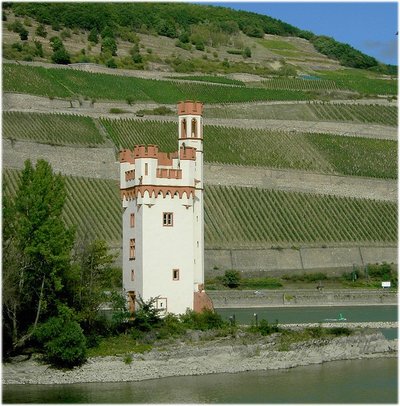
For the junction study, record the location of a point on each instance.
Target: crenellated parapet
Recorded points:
(155, 191)
(189, 107)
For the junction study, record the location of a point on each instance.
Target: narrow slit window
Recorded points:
(132, 275)
(132, 247)
(132, 220)
(146, 169)
(175, 274)
(194, 128)
(168, 219)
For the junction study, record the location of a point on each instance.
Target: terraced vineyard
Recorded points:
(314, 111)
(97, 86)
(300, 84)
(93, 205)
(361, 113)
(357, 156)
(239, 217)
(360, 81)
(55, 129)
(211, 79)
(315, 152)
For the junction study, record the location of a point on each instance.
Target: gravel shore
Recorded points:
(224, 355)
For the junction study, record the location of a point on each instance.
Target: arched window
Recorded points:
(194, 128)
(183, 128)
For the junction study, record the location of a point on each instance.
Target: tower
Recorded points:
(163, 220)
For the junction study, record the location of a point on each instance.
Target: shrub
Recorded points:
(231, 278)
(23, 34)
(62, 339)
(61, 57)
(110, 63)
(41, 31)
(265, 328)
(247, 52)
(202, 321)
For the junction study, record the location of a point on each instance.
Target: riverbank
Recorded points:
(200, 357)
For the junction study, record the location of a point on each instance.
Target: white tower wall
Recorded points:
(164, 192)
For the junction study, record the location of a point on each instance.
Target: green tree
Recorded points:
(36, 251)
(90, 277)
(61, 56)
(136, 56)
(109, 45)
(56, 43)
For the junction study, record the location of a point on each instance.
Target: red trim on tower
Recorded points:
(132, 192)
(190, 107)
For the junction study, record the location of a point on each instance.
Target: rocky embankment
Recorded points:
(224, 355)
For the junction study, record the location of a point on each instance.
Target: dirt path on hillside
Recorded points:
(102, 163)
(36, 104)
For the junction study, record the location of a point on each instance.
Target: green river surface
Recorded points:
(356, 381)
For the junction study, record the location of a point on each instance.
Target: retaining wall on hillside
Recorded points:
(274, 262)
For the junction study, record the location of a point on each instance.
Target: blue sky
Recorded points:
(368, 26)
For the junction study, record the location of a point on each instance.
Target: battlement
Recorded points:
(125, 155)
(190, 107)
(187, 153)
(141, 151)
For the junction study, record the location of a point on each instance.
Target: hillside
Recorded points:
(300, 150)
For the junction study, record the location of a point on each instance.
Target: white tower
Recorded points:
(163, 220)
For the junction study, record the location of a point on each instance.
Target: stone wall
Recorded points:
(275, 262)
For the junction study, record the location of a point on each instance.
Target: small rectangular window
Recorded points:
(132, 247)
(168, 219)
(175, 274)
(132, 220)
(132, 275)
(146, 169)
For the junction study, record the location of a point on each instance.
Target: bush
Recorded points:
(41, 31)
(63, 341)
(206, 320)
(61, 57)
(231, 279)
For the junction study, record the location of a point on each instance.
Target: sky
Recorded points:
(370, 27)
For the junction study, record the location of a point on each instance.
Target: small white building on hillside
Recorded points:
(163, 219)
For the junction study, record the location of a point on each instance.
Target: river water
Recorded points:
(358, 381)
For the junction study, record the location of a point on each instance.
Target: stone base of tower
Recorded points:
(201, 302)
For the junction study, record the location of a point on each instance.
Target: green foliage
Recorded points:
(306, 277)
(89, 279)
(231, 278)
(56, 43)
(110, 63)
(23, 34)
(247, 52)
(63, 341)
(265, 328)
(147, 316)
(36, 250)
(109, 45)
(93, 35)
(344, 53)
(41, 31)
(61, 57)
(206, 320)
(381, 271)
